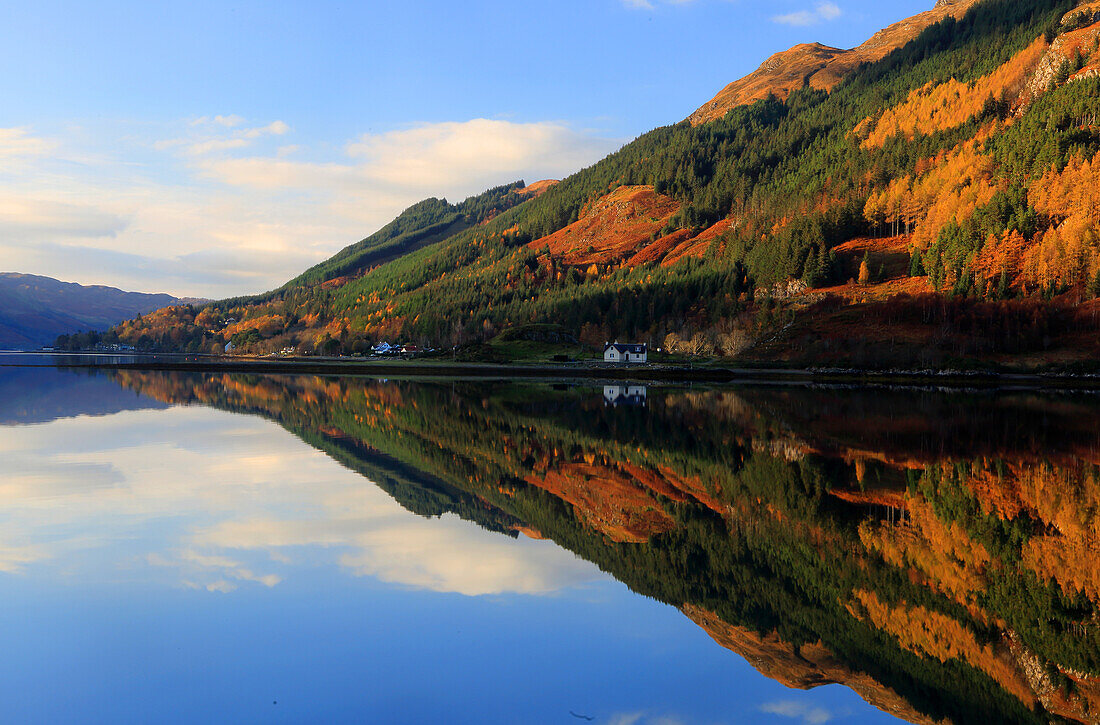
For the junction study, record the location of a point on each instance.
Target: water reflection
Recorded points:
(216, 521)
(39, 395)
(632, 395)
(933, 552)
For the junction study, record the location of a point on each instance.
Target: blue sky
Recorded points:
(217, 149)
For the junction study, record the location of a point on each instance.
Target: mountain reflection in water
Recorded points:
(935, 552)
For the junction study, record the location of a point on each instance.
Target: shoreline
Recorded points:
(643, 373)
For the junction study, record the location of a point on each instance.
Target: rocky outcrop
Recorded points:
(1079, 39)
(782, 290)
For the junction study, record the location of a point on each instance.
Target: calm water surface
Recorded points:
(221, 548)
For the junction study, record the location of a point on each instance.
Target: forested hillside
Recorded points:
(936, 204)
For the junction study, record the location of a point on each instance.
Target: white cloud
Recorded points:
(230, 121)
(449, 159)
(275, 128)
(822, 12)
(218, 206)
(808, 714)
(469, 156)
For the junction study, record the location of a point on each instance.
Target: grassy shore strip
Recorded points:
(591, 370)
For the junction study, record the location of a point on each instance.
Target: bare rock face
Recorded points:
(1082, 16)
(1081, 31)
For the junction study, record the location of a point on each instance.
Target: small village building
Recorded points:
(617, 352)
(229, 347)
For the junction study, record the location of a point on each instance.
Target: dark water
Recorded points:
(224, 548)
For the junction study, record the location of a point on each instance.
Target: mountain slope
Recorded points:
(819, 66)
(35, 310)
(826, 226)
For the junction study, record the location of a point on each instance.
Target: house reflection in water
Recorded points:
(632, 395)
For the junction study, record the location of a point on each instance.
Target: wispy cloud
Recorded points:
(642, 718)
(808, 714)
(58, 219)
(19, 142)
(208, 135)
(227, 570)
(822, 12)
(14, 558)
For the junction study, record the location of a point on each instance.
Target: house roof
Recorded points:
(623, 349)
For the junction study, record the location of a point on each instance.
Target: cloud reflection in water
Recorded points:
(223, 501)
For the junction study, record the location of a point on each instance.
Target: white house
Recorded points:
(618, 352)
(230, 347)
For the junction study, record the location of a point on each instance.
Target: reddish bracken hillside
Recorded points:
(622, 228)
(613, 228)
(813, 64)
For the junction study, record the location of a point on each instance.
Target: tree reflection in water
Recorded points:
(933, 551)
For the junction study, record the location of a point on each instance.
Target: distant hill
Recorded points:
(35, 310)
